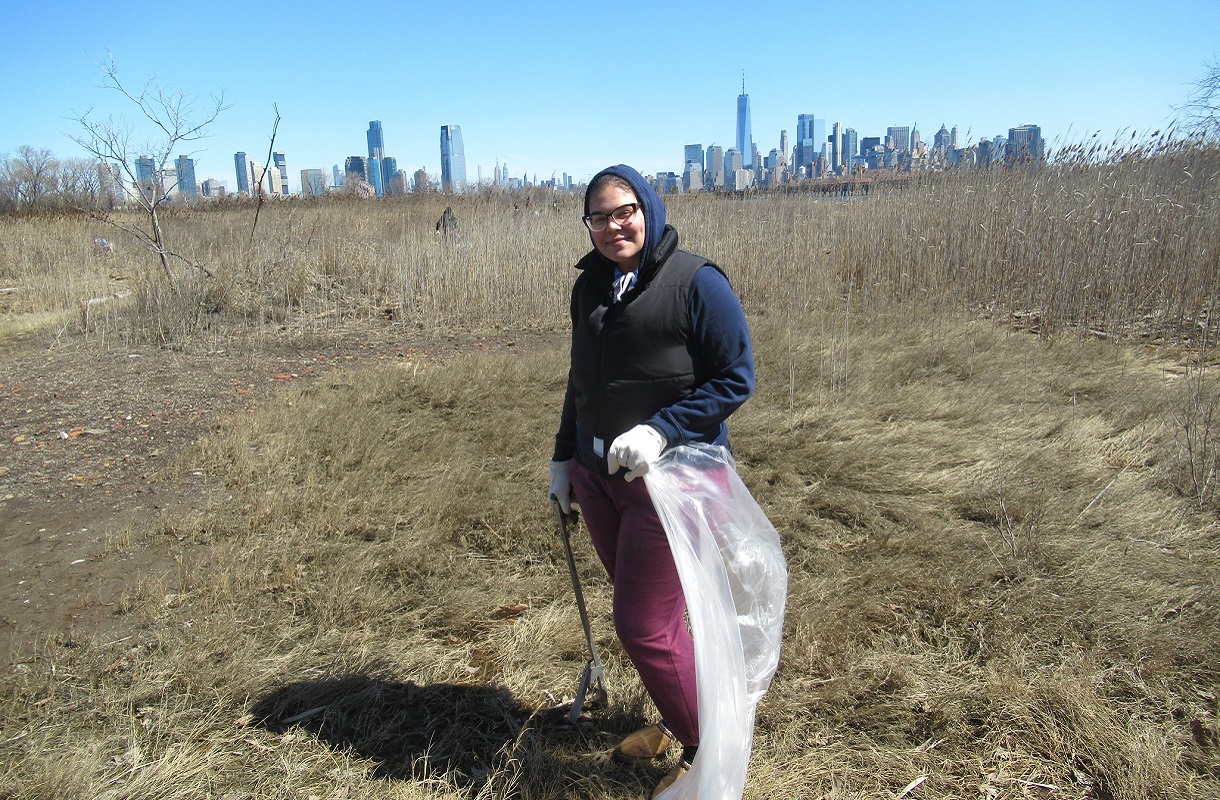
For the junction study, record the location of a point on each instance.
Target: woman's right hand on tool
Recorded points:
(560, 493)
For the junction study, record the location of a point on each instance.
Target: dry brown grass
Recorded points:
(991, 586)
(1122, 242)
(1002, 577)
(999, 574)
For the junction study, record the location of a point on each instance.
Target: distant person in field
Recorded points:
(661, 356)
(447, 225)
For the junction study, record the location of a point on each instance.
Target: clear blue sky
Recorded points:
(554, 87)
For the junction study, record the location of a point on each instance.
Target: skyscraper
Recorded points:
(810, 141)
(356, 166)
(941, 141)
(1024, 144)
(736, 177)
(985, 153)
(376, 140)
(389, 168)
(899, 138)
(804, 127)
(713, 173)
(850, 146)
(373, 167)
(146, 169)
(281, 164)
(268, 178)
(692, 177)
(873, 152)
(243, 172)
(185, 167)
(836, 147)
(745, 140)
(692, 153)
(147, 177)
(453, 159)
(262, 179)
(311, 183)
(148, 182)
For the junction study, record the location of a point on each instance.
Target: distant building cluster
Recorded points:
(376, 174)
(816, 152)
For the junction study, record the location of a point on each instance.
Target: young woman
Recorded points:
(661, 356)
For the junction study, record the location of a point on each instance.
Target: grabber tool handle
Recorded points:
(594, 669)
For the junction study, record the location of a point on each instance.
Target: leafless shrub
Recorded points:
(1018, 527)
(173, 122)
(1194, 462)
(1200, 114)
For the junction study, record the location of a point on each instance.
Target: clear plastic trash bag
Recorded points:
(736, 582)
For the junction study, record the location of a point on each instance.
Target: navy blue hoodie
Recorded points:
(654, 207)
(718, 331)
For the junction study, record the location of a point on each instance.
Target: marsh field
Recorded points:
(275, 528)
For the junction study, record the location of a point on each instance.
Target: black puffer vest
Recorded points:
(630, 359)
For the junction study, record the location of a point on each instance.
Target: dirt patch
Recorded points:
(90, 439)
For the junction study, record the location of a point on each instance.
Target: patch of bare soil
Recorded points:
(87, 436)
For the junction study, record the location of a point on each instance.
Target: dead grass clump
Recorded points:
(1104, 745)
(1194, 458)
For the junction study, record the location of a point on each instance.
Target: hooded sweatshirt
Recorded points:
(674, 353)
(654, 209)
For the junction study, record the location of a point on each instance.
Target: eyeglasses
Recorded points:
(620, 215)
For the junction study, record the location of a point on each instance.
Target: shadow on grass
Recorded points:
(455, 733)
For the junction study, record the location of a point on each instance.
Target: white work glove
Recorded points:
(560, 493)
(636, 450)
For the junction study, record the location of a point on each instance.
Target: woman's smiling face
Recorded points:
(621, 243)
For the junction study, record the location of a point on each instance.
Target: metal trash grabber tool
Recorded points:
(594, 669)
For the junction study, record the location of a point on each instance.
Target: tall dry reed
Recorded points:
(1118, 241)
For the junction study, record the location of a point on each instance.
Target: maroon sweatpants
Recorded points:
(649, 607)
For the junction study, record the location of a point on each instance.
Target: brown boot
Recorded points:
(680, 769)
(644, 744)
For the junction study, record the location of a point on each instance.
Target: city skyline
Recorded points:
(843, 153)
(839, 151)
(525, 94)
(377, 169)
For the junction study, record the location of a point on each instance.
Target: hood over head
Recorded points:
(653, 206)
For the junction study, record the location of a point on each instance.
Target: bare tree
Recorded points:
(35, 172)
(172, 119)
(319, 187)
(263, 175)
(80, 183)
(8, 184)
(1201, 113)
